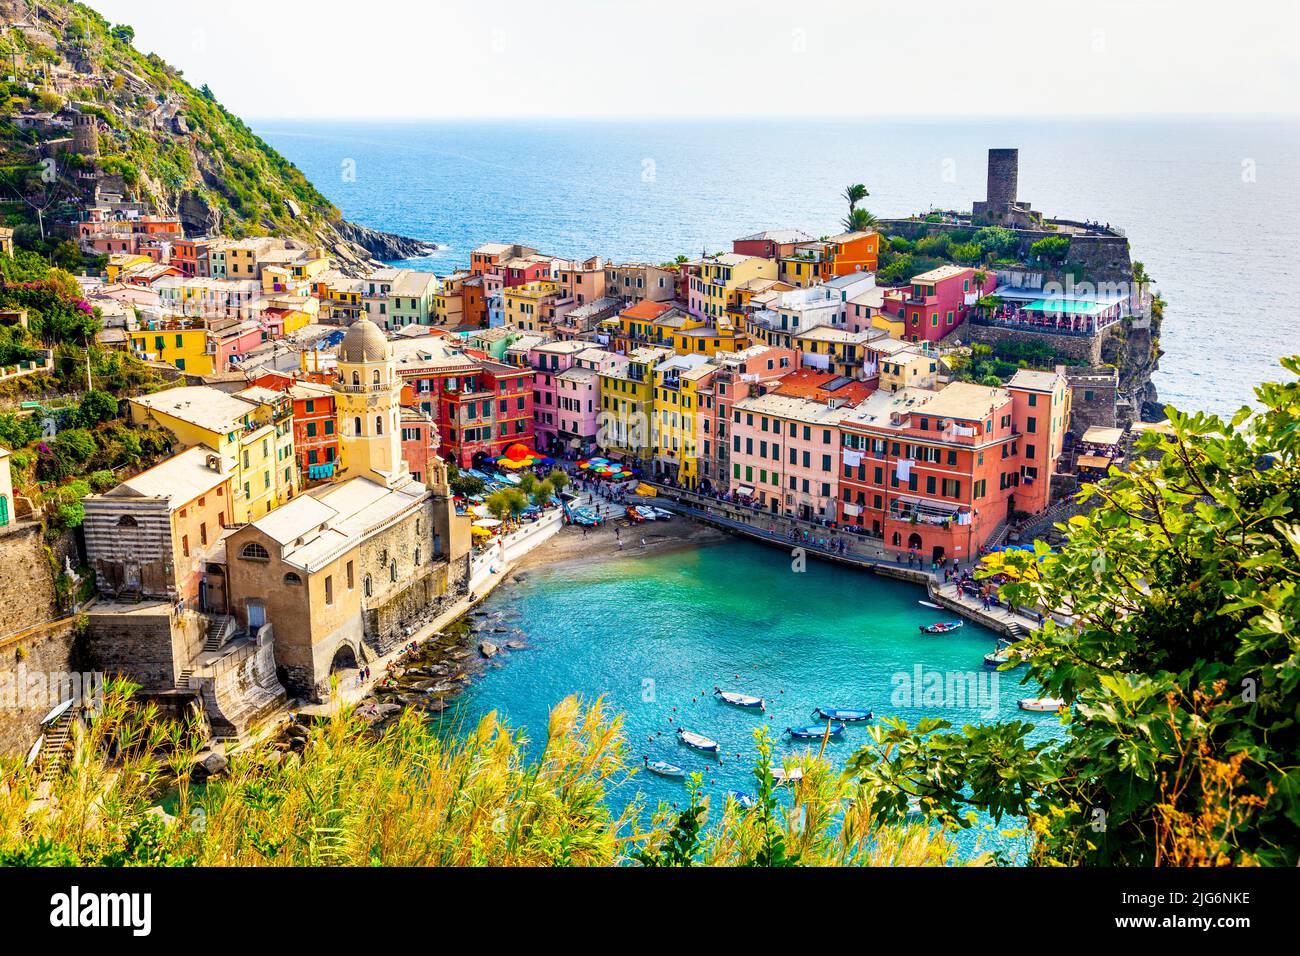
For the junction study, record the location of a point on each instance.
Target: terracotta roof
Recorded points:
(646, 309)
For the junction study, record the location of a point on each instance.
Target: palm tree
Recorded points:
(855, 194)
(859, 220)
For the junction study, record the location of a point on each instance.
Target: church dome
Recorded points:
(364, 343)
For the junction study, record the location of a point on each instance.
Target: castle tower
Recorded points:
(1004, 171)
(367, 396)
(85, 134)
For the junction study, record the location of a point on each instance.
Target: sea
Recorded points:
(1211, 206)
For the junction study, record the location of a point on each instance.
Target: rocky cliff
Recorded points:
(159, 140)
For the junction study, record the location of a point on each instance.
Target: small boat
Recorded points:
(814, 731)
(943, 627)
(841, 714)
(1040, 704)
(634, 516)
(663, 769)
(781, 775)
(739, 700)
(698, 741)
(930, 604)
(1002, 655)
(663, 513)
(745, 800)
(647, 513)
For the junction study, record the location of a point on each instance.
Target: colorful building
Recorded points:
(253, 428)
(716, 288)
(677, 445)
(937, 302)
(530, 305)
(935, 473)
(627, 406)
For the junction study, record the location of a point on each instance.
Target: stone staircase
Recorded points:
(219, 630)
(54, 745)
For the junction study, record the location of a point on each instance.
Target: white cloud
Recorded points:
(389, 59)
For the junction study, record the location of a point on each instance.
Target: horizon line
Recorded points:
(1293, 116)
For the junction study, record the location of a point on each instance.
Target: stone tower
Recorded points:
(1001, 206)
(368, 402)
(85, 134)
(1004, 170)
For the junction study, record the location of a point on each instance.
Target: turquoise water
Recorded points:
(653, 635)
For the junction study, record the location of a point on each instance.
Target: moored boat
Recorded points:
(943, 627)
(634, 516)
(663, 768)
(647, 514)
(663, 513)
(930, 604)
(841, 714)
(698, 741)
(781, 775)
(1002, 654)
(1040, 704)
(739, 700)
(744, 800)
(814, 731)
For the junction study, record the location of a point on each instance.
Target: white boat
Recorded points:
(1041, 704)
(647, 513)
(739, 700)
(781, 775)
(744, 800)
(663, 768)
(930, 604)
(663, 513)
(698, 741)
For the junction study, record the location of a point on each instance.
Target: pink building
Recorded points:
(419, 442)
(740, 375)
(578, 398)
(550, 360)
(936, 302)
(785, 454)
(239, 339)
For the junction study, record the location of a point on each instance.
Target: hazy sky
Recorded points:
(406, 59)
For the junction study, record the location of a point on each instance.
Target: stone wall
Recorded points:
(1101, 409)
(148, 643)
(27, 595)
(1077, 348)
(29, 662)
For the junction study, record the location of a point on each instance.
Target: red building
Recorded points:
(935, 473)
(772, 244)
(419, 442)
(315, 431)
(936, 302)
(486, 412)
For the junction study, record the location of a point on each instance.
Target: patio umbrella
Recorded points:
(480, 511)
(486, 523)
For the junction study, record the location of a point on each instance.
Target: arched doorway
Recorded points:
(345, 659)
(914, 541)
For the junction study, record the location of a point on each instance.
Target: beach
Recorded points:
(602, 544)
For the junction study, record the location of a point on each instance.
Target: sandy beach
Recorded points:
(602, 544)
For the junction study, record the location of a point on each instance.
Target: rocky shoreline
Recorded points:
(384, 245)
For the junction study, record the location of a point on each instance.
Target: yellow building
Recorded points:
(182, 343)
(721, 279)
(528, 306)
(253, 428)
(677, 446)
(627, 405)
(120, 262)
(908, 368)
(367, 397)
(660, 325)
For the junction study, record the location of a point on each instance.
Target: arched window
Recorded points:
(254, 552)
(126, 521)
(897, 539)
(356, 426)
(392, 571)
(379, 424)
(368, 585)
(417, 557)
(375, 377)
(292, 578)
(356, 377)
